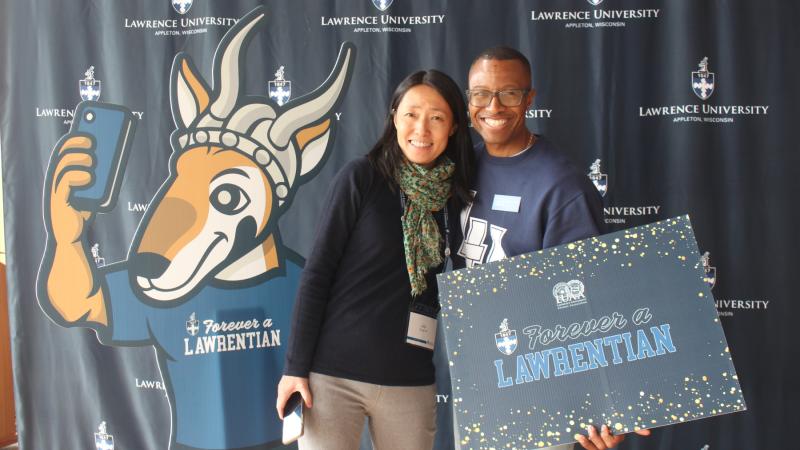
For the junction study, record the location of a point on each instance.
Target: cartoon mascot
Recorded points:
(206, 282)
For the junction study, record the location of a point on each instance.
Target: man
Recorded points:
(528, 196)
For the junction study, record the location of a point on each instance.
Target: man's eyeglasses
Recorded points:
(508, 97)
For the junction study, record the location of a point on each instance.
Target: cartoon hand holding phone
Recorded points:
(87, 166)
(110, 128)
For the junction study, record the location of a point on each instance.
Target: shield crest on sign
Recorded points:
(506, 341)
(182, 6)
(280, 91)
(600, 181)
(703, 84)
(710, 277)
(192, 325)
(103, 441)
(90, 89)
(383, 5)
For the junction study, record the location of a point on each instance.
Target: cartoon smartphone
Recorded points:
(112, 128)
(293, 418)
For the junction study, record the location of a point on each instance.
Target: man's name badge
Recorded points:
(422, 326)
(506, 203)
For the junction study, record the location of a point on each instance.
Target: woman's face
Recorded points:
(424, 122)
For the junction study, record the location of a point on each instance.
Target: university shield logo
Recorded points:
(710, 272)
(595, 2)
(383, 5)
(89, 86)
(99, 261)
(506, 340)
(193, 325)
(182, 6)
(280, 89)
(600, 180)
(703, 81)
(103, 440)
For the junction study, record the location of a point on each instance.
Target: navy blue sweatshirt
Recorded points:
(527, 202)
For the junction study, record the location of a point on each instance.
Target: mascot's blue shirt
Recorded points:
(221, 353)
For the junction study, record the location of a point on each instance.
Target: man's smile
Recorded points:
(494, 122)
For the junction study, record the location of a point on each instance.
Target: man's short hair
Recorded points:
(504, 53)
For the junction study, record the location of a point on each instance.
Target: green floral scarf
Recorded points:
(427, 190)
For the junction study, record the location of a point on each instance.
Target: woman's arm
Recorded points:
(333, 233)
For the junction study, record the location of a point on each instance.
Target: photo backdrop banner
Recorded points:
(669, 107)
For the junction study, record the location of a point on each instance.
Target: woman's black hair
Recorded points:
(386, 155)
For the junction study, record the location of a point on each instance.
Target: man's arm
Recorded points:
(579, 218)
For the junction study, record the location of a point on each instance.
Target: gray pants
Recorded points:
(400, 417)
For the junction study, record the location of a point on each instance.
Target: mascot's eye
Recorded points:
(229, 199)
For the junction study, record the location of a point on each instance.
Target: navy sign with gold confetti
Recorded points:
(618, 330)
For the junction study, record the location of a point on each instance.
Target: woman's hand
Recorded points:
(603, 440)
(287, 387)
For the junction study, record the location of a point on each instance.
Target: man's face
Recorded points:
(501, 127)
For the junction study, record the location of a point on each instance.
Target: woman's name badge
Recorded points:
(422, 326)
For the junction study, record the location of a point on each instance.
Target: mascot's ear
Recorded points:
(188, 92)
(312, 142)
(308, 119)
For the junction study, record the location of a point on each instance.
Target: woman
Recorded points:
(390, 219)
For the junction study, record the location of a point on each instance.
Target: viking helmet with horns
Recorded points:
(286, 142)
